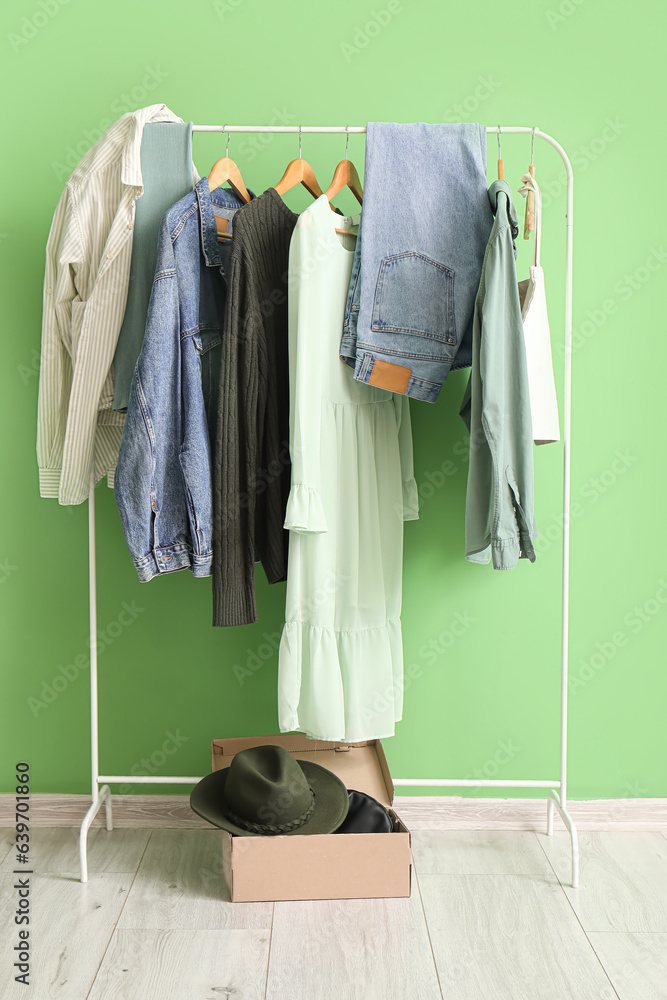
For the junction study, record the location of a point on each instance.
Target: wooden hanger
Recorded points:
(345, 175)
(501, 165)
(529, 219)
(225, 170)
(299, 172)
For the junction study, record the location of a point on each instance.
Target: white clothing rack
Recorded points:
(557, 787)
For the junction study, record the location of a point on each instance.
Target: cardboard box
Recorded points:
(320, 866)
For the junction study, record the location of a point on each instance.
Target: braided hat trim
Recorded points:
(294, 824)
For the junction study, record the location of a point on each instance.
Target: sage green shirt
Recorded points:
(496, 407)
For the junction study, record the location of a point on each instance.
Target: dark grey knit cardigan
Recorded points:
(251, 465)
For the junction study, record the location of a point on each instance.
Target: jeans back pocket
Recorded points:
(414, 295)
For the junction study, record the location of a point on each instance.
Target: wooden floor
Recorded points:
(490, 915)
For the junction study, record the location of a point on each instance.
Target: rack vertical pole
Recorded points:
(92, 600)
(559, 800)
(99, 795)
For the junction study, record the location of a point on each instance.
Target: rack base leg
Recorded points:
(550, 817)
(103, 797)
(554, 801)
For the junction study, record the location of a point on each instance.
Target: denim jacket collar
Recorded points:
(224, 198)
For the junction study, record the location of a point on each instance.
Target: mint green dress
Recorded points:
(341, 653)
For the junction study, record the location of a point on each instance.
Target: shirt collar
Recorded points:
(498, 187)
(131, 160)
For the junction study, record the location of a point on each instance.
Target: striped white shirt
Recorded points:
(88, 256)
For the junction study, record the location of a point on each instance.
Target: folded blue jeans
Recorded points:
(425, 224)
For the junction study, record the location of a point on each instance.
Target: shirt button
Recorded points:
(49, 291)
(130, 225)
(110, 256)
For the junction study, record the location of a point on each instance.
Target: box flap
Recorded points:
(362, 766)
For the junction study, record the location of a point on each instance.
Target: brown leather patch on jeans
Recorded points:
(388, 376)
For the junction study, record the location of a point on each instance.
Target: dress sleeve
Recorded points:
(305, 512)
(410, 500)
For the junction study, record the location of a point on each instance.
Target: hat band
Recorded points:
(273, 827)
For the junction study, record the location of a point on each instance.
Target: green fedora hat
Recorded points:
(266, 791)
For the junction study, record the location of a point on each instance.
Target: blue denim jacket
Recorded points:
(163, 479)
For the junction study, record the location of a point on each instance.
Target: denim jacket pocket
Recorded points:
(414, 295)
(205, 340)
(208, 345)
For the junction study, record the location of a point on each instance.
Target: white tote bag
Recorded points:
(537, 337)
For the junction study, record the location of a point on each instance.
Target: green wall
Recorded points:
(485, 700)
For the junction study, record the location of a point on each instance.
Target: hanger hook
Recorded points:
(299, 142)
(224, 129)
(532, 145)
(500, 155)
(347, 139)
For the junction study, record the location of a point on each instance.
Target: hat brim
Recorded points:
(332, 801)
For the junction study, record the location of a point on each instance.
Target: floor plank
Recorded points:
(57, 850)
(183, 965)
(70, 927)
(7, 842)
(635, 963)
(375, 949)
(179, 885)
(510, 937)
(499, 852)
(623, 879)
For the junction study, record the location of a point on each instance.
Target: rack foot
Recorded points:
(103, 797)
(550, 817)
(554, 800)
